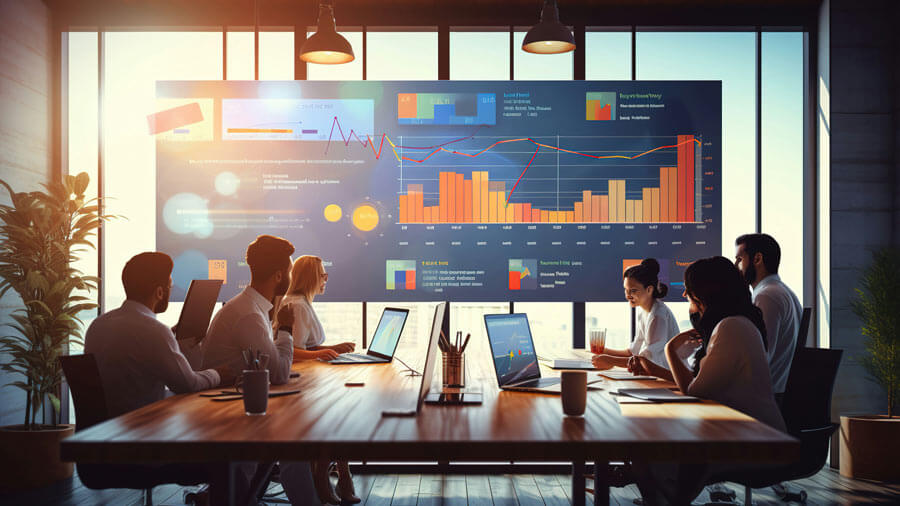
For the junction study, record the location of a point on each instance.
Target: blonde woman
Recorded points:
(308, 279)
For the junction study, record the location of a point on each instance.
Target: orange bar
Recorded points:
(620, 194)
(492, 207)
(686, 178)
(535, 215)
(501, 207)
(517, 210)
(639, 211)
(629, 211)
(420, 206)
(586, 205)
(260, 131)
(510, 213)
(428, 217)
(406, 105)
(460, 198)
(663, 194)
(442, 197)
(467, 205)
(404, 208)
(545, 216)
(451, 197)
(485, 205)
(579, 212)
(645, 204)
(613, 201)
(603, 206)
(476, 196)
(570, 216)
(554, 217)
(596, 209)
(526, 212)
(654, 203)
(673, 194)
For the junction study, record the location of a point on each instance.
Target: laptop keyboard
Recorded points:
(353, 356)
(537, 383)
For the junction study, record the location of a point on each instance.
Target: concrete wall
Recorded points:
(25, 98)
(865, 93)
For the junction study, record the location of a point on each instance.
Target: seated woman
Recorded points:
(654, 327)
(308, 279)
(731, 368)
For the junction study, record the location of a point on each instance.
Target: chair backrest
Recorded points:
(804, 330)
(83, 377)
(807, 394)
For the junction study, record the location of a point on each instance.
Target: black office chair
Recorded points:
(83, 378)
(803, 331)
(807, 414)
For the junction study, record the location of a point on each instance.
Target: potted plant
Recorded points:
(870, 444)
(42, 234)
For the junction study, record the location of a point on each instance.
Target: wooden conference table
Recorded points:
(329, 419)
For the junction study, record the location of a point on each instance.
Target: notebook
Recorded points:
(657, 395)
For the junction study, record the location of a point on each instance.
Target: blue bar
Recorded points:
(443, 112)
(487, 109)
(399, 280)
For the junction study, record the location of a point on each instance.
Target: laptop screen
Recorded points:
(384, 342)
(431, 357)
(512, 347)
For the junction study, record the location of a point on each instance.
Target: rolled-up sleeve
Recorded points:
(257, 335)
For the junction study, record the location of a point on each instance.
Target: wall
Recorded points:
(865, 93)
(25, 97)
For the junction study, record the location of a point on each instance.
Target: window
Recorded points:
(239, 64)
(276, 56)
(479, 55)
(394, 56)
(607, 55)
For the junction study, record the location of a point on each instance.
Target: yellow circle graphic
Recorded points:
(365, 218)
(333, 212)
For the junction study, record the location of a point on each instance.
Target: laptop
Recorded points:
(197, 310)
(384, 341)
(572, 364)
(515, 360)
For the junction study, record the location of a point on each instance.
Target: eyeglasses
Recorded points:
(324, 275)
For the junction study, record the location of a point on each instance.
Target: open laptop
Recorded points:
(384, 341)
(514, 357)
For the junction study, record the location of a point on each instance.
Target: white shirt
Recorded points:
(781, 312)
(243, 323)
(307, 330)
(735, 372)
(653, 329)
(138, 358)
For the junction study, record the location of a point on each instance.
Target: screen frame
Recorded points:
(397, 343)
(431, 357)
(501, 316)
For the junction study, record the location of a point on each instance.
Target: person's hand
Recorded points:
(286, 316)
(326, 354)
(600, 362)
(691, 336)
(635, 366)
(344, 347)
(227, 376)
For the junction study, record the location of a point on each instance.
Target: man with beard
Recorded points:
(244, 321)
(137, 355)
(757, 256)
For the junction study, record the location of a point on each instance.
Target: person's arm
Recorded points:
(680, 373)
(314, 353)
(606, 360)
(171, 366)
(339, 348)
(256, 334)
(652, 369)
(654, 345)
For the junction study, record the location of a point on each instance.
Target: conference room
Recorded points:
(480, 252)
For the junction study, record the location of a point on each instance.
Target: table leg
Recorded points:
(601, 484)
(223, 484)
(578, 491)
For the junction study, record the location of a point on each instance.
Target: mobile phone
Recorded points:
(398, 413)
(354, 384)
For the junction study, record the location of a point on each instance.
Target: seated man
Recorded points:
(243, 323)
(138, 357)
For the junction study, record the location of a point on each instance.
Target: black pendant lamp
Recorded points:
(326, 46)
(549, 36)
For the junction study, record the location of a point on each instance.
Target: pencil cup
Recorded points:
(454, 369)
(574, 392)
(254, 385)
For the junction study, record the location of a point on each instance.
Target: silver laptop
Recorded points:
(384, 341)
(567, 363)
(515, 360)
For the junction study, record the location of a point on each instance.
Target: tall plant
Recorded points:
(877, 305)
(42, 234)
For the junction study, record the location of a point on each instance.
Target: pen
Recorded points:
(465, 343)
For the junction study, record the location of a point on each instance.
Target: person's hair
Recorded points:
(718, 284)
(647, 274)
(267, 255)
(305, 276)
(144, 272)
(764, 244)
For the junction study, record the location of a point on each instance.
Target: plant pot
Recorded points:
(30, 458)
(869, 447)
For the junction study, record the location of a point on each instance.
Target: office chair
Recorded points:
(807, 414)
(83, 378)
(803, 330)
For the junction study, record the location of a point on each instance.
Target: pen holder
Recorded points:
(454, 369)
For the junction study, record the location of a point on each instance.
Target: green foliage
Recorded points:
(878, 306)
(41, 237)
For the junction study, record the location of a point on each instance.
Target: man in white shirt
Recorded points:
(757, 256)
(244, 323)
(136, 354)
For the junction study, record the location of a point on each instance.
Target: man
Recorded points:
(243, 323)
(136, 354)
(758, 256)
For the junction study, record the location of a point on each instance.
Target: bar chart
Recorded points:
(669, 193)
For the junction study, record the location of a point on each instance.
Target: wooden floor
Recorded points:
(827, 487)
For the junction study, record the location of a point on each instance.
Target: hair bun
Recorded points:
(662, 289)
(651, 264)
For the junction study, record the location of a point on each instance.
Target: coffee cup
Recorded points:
(254, 385)
(574, 392)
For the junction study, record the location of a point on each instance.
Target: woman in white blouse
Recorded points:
(308, 279)
(731, 368)
(655, 324)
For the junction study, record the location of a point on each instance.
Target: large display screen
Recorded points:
(439, 190)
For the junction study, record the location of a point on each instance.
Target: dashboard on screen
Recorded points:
(440, 190)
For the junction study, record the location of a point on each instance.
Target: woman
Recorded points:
(731, 368)
(654, 327)
(308, 279)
